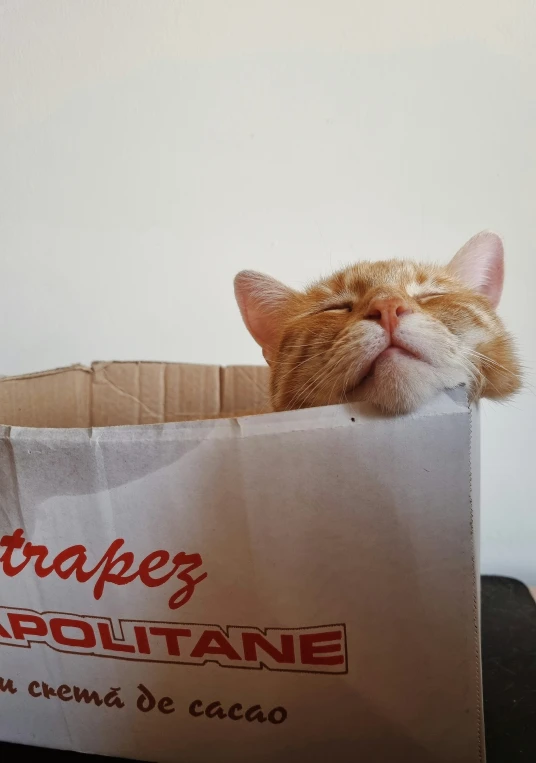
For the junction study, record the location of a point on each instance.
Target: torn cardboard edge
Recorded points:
(131, 392)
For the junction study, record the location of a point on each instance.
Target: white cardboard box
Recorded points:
(288, 587)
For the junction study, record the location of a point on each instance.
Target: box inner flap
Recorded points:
(116, 393)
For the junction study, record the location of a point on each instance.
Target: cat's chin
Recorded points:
(397, 383)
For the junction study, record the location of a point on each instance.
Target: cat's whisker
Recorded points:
(293, 368)
(346, 378)
(498, 368)
(481, 355)
(490, 362)
(333, 388)
(345, 385)
(482, 379)
(487, 360)
(322, 377)
(305, 386)
(301, 345)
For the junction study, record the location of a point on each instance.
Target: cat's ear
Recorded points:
(480, 265)
(261, 300)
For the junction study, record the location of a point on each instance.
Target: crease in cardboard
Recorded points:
(14, 483)
(91, 401)
(163, 391)
(125, 394)
(53, 670)
(221, 377)
(237, 425)
(49, 372)
(104, 487)
(251, 382)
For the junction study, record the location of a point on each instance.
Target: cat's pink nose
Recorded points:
(387, 312)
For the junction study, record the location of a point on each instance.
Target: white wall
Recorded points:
(149, 150)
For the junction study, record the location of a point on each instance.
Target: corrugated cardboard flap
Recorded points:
(57, 398)
(116, 393)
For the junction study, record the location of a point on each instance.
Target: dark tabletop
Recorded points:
(509, 677)
(509, 670)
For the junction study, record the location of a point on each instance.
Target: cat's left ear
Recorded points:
(262, 300)
(480, 265)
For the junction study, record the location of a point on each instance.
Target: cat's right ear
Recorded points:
(480, 265)
(261, 300)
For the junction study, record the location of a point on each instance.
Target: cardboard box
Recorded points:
(288, 587)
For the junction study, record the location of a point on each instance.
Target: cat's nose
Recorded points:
(388, 311)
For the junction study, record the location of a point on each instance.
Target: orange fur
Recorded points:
(329, 343)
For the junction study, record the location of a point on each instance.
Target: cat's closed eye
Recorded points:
(343, 307)
(429, 295)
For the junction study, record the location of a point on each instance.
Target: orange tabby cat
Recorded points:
(393, 333)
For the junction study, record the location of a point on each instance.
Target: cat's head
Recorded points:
(393, 333)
